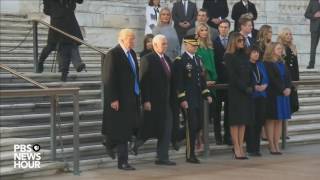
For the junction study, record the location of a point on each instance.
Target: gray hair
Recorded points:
(156, 39)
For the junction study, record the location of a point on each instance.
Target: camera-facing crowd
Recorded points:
(148, 98)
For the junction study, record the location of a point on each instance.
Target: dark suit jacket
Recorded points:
(118, 84)
(156, 88)
(238, 9)
(215, 9)
(219, 51)
(312, 8)
(178, 15)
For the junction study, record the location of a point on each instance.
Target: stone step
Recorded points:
(90, 67)
(29, 53)
(29, 59)
(105, 162)
(47, 169)
(315, 109)
(309, 101)
(309, 93)
(84, 95)
(82, 84)
(47, 77)
(44, 107)
(38, 119)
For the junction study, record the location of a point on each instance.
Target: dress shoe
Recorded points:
(165, 162)
(81, 67)
(176, 146)
(193, 160)
(138, 143)
(126, 167)
(64, 76)
(276, 153)
(40, 67)
(310, 67)
(109, 150)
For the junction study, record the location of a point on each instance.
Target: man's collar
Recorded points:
(190, 55)
(123, 48)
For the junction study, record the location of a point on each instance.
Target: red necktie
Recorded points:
(165, 66)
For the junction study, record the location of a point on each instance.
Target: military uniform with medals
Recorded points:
(191, 87)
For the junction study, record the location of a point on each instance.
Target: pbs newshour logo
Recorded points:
(27, 156)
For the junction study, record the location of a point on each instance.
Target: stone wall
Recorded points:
(101, 19)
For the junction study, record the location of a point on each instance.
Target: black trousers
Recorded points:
(216, 108)
(68, 53)
(122, 152)
(315, 36)
(164, 141)
(253, 131)
(46, 51)
(193, 125)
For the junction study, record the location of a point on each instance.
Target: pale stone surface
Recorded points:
(100, 16)
(297, 163)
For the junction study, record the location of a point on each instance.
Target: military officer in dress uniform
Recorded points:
(191, 88)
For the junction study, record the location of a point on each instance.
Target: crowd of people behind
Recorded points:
(170, 85)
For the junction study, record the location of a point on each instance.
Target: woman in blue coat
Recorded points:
(260, 81)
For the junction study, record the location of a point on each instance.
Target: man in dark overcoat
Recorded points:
(156, 95)
(240, 8)
(313, 13)
(120, 80)
(62, 16)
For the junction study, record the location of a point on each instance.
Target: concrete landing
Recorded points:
(297, 163)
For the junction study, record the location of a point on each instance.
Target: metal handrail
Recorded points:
(53, 93)
(69, 36)
(12, 71)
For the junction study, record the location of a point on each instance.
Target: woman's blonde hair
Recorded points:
(207, 43)
(282, 37)
(262, 37)
(269, 53)
(233, 41)
(161, 11)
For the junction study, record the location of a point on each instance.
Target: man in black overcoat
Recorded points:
(156, 96)
(240, 8)
(217, 10)
(313, 13)
(121, 90)
(62, 16)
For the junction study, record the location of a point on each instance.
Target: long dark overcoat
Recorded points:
(240, 88)
(156, 87)
(62, 17)
(118, 84)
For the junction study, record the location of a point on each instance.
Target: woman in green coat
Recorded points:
(206, 53)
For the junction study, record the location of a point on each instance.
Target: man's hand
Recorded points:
(147, 106)
(209, 98)
(216, 20)
(211, 83)
(115, 105)
(317, 14)
(184, 104)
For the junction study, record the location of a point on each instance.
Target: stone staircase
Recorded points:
(26, 120)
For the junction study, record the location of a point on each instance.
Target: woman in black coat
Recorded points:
(291, 61)
(239, 91)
